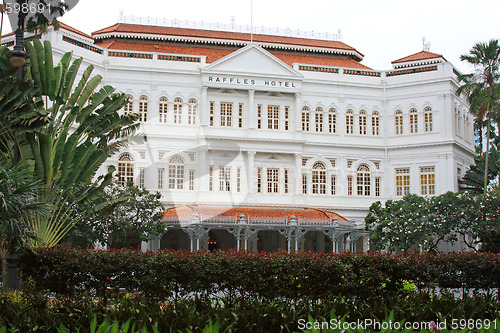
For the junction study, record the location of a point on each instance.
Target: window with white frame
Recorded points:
(377, 186)
(363, 180)
(349, 122)
(211, 113)
(192, 111)
(240, 115)
(318, 120)
(413, 121)
(304, 183)
(427, 180)
(306, 114)
(142, 178)
(375, 123)
(362, 122)
(286, 188)
(398, 122)
(287, 118)
(162, 110)
(143, 109)
(402, 182)
(349, 185)
(161, 177)
(176, 173)
(333, 185)
(458, 121)
(273, 117)
(211, 178)
(259, 180)
(318, 178)
(259, 116)
(428, 119)
(128, 108)
(125, 169)
(238, 179)
(225, 179)
(191, 180)
(226, 114)
(332, 121)
(177, 111)
(273, 180)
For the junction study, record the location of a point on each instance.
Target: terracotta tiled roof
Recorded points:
(214, 54)
(422, 55)
(186, 212)
(236, 36)
(63, 26)
(67, 27)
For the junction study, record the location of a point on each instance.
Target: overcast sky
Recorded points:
(382, 30)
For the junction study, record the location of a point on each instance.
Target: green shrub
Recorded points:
(166, 275)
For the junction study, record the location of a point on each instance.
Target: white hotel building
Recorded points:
(282, 142)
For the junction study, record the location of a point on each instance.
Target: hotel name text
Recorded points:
(251, 82)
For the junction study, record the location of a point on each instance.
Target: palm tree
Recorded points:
(482, 88)
(81, 129)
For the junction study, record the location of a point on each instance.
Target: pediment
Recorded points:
(252, 60)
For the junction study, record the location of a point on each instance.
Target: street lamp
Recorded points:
(17, 58)
(18, 55)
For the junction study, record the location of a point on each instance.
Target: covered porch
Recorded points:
(197, 228)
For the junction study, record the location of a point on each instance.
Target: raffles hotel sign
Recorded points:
(242, 82)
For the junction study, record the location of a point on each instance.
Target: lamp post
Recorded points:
(18, 55)
(17, 58)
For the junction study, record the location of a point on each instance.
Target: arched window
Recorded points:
(332, 120)
(375, 123)
(162, 110)
(177, 111)
(176, 173)
(362, 122)
(319, 178)
(129, 107)
(143, 109)
(413, 121)
(349, 122)
(318, 119)
(125, 169)
(428, 119)
(457, 121)
(398, 122)
(305, 119)
(363, 180)
(192, 110)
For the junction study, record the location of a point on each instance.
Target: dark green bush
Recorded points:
(166, 275)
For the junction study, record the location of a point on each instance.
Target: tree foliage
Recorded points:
(130, 215)
(71, 126)
(482, 90)
(418, 223)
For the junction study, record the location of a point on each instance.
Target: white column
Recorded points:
(251, 115)
(298, 175)
(251, 171)
(296, 115)
(203, 171)
(204, 108)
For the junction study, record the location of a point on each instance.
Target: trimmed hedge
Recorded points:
(173, 274)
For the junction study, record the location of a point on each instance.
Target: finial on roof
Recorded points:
(426, 46)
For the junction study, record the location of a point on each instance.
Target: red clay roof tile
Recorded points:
(214, 54)
(210, 212)
(237, 36)
(422, 55)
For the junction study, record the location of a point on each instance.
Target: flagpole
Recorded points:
(251, 21)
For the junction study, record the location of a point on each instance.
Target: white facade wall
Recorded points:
(448, 147)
